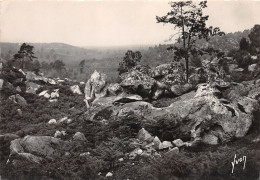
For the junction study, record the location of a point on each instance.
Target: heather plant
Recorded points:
(207, 164)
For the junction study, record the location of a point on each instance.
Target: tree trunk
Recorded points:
(187, 68)
(22, 64)
(184, 47)
(183, 30)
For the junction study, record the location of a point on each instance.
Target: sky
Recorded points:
(109, 22)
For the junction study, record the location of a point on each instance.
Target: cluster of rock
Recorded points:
(216, 112)
(53, 96)
(253, 69)
(148, 146)
(33, 82)
(205, 114)
(64, 120)
(35, 149)
(31, 76)
(165, 79)
(97, 87)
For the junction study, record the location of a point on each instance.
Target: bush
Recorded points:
(130, 60)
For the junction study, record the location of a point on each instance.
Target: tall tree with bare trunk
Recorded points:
(187, 17)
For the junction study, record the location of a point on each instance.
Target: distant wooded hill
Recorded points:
(159, 54)
(106, 59)
(70, 55)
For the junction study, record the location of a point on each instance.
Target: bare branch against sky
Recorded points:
(106, 23)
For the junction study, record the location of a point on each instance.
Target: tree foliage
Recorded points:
(188, 18)
(244, 44)
(81, 65)
(25, 54)
(254, 37)
(130, 60)
(59, 65)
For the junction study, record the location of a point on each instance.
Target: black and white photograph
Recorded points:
(129, 90)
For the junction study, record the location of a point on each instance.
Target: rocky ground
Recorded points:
(146, 127)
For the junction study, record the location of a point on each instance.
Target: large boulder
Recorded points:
(207, 113)
(169, 74)
(95, 86)
(114, 89)
(173, 79)
(153, 83)
(138, 82)
(166, 69)
(162, 70)
(36, 148)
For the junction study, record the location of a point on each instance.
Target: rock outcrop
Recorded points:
(137, 82)
(169, 74)
(95, 86)
(154, 83)
(202, 115)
